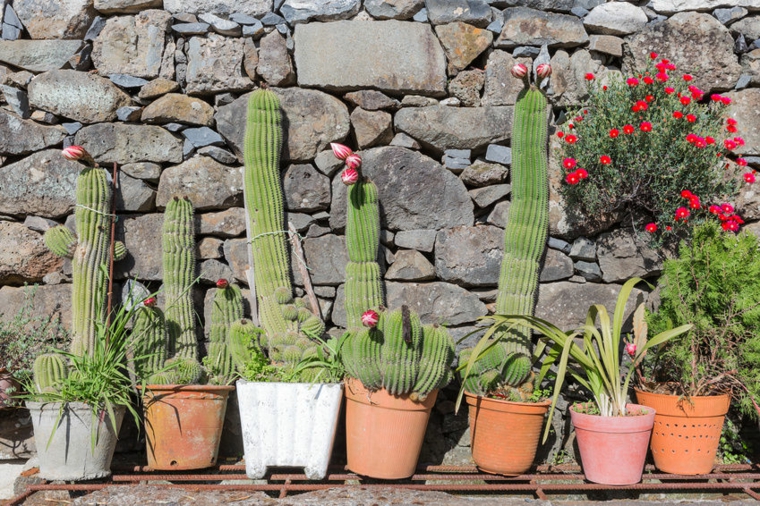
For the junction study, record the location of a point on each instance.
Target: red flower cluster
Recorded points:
(729, 220)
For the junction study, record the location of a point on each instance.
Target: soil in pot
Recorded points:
(505, 434)
(613, 448)
(686, 432)
(384, 432)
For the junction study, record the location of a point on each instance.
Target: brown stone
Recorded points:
(178, 108)
(157, 87)
(501, 88)
(745, 109)
(215, 65)
(24, 258)
(371, 127)
(274, 64)
(531, 27)
(227, 223)
(207, 183)
(462, 44)
(68, 19)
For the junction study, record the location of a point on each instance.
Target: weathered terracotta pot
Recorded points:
(613, 448)
(384, 432)
(183, 425)
(686, 432)
(505, 434)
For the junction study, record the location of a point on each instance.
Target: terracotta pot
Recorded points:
(505, 434)
(183, 425)
(686, 434)
(613, 448)
(7, 381)
(384, 432)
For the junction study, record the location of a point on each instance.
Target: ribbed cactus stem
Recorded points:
(227, 308)
(178, 243)
(49, 370)
(242, 335)
(400, 355)
(61, 241)
(148, 343)
(437, 353)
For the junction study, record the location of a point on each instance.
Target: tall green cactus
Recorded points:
(509, 361)
(49, 370)
(178, 243)
(227, 308)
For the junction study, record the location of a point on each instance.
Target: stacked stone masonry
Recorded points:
(420, 87)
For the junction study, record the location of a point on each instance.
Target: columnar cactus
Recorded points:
(227, 308)
(509, 361)
(148, 341)
(49, 370)
(178, 243)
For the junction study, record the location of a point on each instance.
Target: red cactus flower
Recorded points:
(677, 114)
(222, 283)
(729, 144)
(727, 208)
(653, 55)
(685, 100)
(150, 302)
(694, 202)
(340, 151)
(741, 162)
(714, 209)
(370, 318)
(349, 176)
(630, 349)
(648, 80)
(560, 134)
(725, 100)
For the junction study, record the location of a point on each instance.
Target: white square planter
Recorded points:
(288, 424)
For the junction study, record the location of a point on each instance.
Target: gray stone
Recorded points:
(743, 108)
(77, 95)
(24, 258)
(302, 110)
(129, 113)
(255, 30)
(175, 107)
(421, 16)
(410, 265)
(222, 26)
(302, 11)
(208, 184)
(215, 64)
(674, 6)
(143, 170)
(191, 28)
(498, 216)
(559, 244)
(327, 163)
(250, 62)
(416, 192)
(301, 222)
(448, 127)
(236, 254)
(623, 255)
(417, 101)
(751, 69)
(462, 43)
(134, 195)
(72, 127)
(404, 141)
(726, 16)
(12, 26)
(39, 224)
(420, 240)
(188, 149)
(749, 27)
(484, 197)
(203, 136)
(530, 27)
(243, 19)
(481, 174)
(272, 19)
(21, 78)
(42, 184)
(391, 55)
(469, 256)
(21, 136)
(398, 9)
(55, 20)
(275, 65)
(565, 304)
(227, 223)
(450, 102)
(455, 165)
(132, 45)
(371, 127)
(500, 87)
(127, 81)
(17, 99)
(255, 8)
(607, 44)
(38, 55)
(174, 127)
(499, 154)
(120, 143)
(466, 87)
(579, 11)
(556, 266)
(209, 248)
(371, 100)
(589, 270)
(326, 257)
(568, 76)
(218, 154)
(212, 270)
(317, 231)
(474, 12)
(496, 26)
(615, 18)
(305, 189)
(126, 6)
(583, 249)
(700, 44)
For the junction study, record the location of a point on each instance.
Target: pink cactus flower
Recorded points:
(340, 151)
(78, 153)
(149, 302)
(370, 318)
(222, 283)
(349, 177)
(353, 161)
(519, 70)
(630, 349)
(544, 70)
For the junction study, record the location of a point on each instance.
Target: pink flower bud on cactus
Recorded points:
(349, 177)
(544, 70)
(78, 153)
(630, 349)
(370, 318)
(149, 302)
(353, 161)
(222, 283)
(340, 151)
(519, 70)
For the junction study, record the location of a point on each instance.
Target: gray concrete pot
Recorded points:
(69, 455)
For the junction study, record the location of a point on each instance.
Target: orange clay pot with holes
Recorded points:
(505, 434)
(384, 432)
(183, 425)
(686, 431)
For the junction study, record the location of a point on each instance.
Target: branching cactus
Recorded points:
(383, 349)
(49, 370)
(508, 362)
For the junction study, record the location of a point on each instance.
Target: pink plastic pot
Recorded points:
(614, 448)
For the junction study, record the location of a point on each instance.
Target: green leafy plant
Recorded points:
(648, 149)
(714, 283)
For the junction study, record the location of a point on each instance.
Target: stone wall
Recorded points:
(422, 88)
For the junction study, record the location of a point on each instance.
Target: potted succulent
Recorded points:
(714, 283)
(289, 394)
(612, 434)
(395, 365)
(498, 384)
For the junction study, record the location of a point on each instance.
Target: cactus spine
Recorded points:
(524, 241)
(49, 370)
(178, 243)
